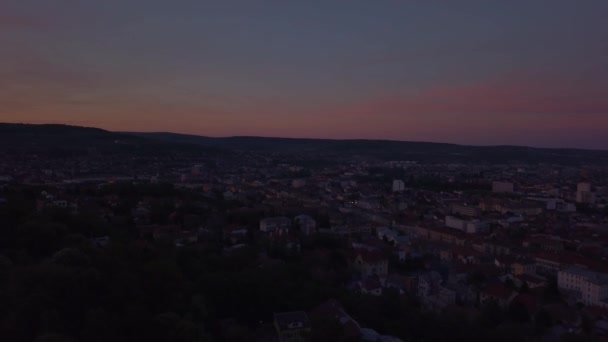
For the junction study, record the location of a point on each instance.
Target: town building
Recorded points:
(502, 187)
(306, 223)
(370, 263)
(271, 224)
(465, 210)
(398, 185)
(587, 286)
(584, 194)
(467, 226)
(292, 326)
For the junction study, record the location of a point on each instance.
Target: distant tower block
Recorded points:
(502, 187)
(584, 194)
(398, 185)
(197, 169)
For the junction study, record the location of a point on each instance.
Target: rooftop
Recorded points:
(292, 320)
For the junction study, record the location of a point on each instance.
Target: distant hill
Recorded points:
(63, 140)
(392, 150)
(59, 140)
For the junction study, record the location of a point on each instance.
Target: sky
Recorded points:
(486, 72)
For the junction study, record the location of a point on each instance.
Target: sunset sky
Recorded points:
(526, 72)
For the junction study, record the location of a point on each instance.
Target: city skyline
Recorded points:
(479, 73)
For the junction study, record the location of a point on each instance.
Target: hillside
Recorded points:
(63, 140)
(392, 150)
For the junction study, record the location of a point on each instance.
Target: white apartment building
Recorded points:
(502, 187)
(584, 194)
(466, 226)
(273, 223)
(590, 288)
(398, 185)
(307, 224)
(556, 204)
(466, 210)
(298, 183)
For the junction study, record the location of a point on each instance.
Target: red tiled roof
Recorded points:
(231, 228)
(465, 251)
(562, 312)
(462, 268)
(597, 311)
(158, 229)
(333, 310)
(531, 303)
(371, 283)
(529, 278)
(499, 291)
(372, 257)
(574, 259)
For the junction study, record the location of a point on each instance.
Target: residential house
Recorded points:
(532, 281)
(396, 281)
(465, 210)
(467, 226)
(545, 242)
(371, 262)
(532, 303)
(548, 264)
(465, 255)
(411, 284)
(333, 310)
(496, 249)
(587, 286)
(438, 234)
(307, 224)
(159, 232)
(101, 241)
(271, 224)
(464, 294)
(565, 317)
(523, 267)
(235, 234)
(185, 237)
(445, 297)
(498, 293)
(429, 284)
(371, 285)
(292, 326)
(406, 252)
(371, 335)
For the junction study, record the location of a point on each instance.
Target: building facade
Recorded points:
(588, 287)
(271, 224)
(502, 187)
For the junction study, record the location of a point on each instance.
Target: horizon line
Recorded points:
(307, 138)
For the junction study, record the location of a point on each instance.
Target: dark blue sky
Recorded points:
(479, 72)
